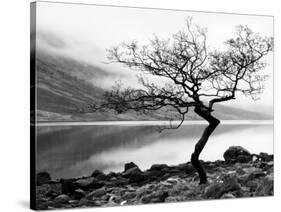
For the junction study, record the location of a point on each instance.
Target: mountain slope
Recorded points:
(64, 87)
(61, 88)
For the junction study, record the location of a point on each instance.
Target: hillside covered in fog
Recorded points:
(65, 87)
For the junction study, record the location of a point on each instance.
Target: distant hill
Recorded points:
(64, 87)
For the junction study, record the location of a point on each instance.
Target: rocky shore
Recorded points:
(241, 174)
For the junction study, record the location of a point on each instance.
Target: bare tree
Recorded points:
(196, 78)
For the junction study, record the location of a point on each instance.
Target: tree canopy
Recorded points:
(195, 76)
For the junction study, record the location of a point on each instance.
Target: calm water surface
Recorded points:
(72, 150)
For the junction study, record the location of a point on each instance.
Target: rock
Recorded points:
(172, 180)
(137, 178)
(97, 193)
(66, 186)
(112, 175)
(260, 164)
(252, 185)
(129, 166)
(120, 181)
(63, 198)
(87, 183)
(240, 171)
(96, 184)
(97, 173)
(269, 166)
(256, 174)
(216, 190)
(158, 167)
(73, 201)
(85, 202)
(78, 194)
(42, 178)
(84, 183)
(250, 170)
(129, 172)
(118, 192)
(266, 157)
(237, 153)
(175, 199)
(114, 198)
(155, 197)
(101, 177)
(52, 193)
(243, 159)
(265, 187)
(269, 178)
(153, 173)
(110, 204)
(227, 196)
(186, 168)
(218, 163)
(129, 195)
(123, 202)
(253, 173)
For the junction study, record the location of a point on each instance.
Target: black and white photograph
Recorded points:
(135, 105)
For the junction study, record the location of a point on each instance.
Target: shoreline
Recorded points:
(246, 175)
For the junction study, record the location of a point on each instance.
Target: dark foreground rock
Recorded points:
(162, 183)
(43, 177)
(237, 154)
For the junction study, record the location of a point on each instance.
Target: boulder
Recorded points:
(133, 170)
(269, 166)
(73, 201)
(155, 197)
(42, 178)
(99, 175)
(158, 167)
(129, 166)
(153, 174)
(186, 168)
(87, 183)
(52, 193)
(256, 174)
(66, 186)
(227, 196)
(237, 154)
(137, 178)
(111, 175)
(260, 164)
(97, 193)
(84, 183)
(266, 157)
(129, 195)
(78, 194)
(120, 181)
(63, 198)
(214, 191)
(243, 159)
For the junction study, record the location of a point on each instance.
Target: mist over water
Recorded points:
(75, 149)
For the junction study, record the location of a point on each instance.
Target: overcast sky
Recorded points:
(84, 32)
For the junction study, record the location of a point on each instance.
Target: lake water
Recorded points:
(75, 149)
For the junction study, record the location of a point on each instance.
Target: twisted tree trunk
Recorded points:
(213, 123)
